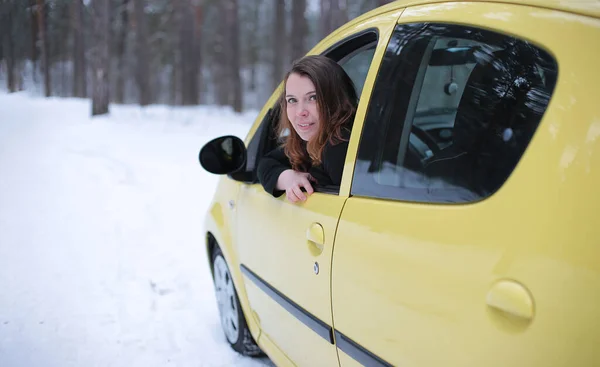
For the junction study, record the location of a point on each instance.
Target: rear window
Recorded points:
(453, 110)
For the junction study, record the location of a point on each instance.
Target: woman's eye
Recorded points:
(291, 100)
(313, 97)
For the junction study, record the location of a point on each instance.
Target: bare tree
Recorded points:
(172, 17)
(226, 55)
(299, 29)
(220, 55)
(334, 13)
(189, 50)
(121, 45)
(340, 13)
(279, 42)
(8, 54)
(197, 65)
(253, 47)
(326, 17)
(41, 13)
(142, 69)
(233, 34)
(230, 52)
(34, 38)
(79, 77)
(169, 41)
(101, 56)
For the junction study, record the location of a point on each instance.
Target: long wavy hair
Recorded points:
(336, 103)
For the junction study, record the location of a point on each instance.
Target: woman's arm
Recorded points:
(270, 167)
(277, 177)
(334, 157)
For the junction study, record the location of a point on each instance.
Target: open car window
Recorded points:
(355, 55)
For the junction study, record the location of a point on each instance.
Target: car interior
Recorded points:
(476, 143)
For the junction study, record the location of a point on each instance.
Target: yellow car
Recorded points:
(464, 232)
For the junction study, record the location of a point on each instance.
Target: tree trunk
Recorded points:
(121, 43)
(253, 49)
(334, 13)
(174, 18)
(34, 39)
(383, 2)
(197, 70)
(222, 55)
(9, 47)
(326, 17)
(101, 57)
(299, 29)
(142, 74)
(279, 42)
(189, 52)
(41, 12)
(232, 21)
(79, 75)
(340, 13)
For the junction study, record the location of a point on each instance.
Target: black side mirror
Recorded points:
(223, 155)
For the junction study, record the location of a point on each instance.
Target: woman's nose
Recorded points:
(301, 110)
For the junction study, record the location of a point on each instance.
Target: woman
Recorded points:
(319, 100)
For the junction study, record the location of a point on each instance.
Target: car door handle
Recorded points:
(512, 298)
(316, 238)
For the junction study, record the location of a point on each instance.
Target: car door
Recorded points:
(439, 259)
(284, 248)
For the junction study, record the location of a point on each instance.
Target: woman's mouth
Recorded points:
(305, 126)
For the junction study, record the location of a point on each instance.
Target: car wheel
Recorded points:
(232, 318)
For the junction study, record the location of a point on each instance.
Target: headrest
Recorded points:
(497, 98)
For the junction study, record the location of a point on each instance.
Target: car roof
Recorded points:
(584, 7)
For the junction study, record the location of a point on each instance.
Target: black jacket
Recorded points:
(328, 173)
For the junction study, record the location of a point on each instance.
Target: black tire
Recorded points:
(243, 342)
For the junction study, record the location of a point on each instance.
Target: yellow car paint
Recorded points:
(410, 282)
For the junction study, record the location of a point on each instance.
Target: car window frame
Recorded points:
(415, 195)
(264, 138)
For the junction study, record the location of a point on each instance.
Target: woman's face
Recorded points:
(302, 109)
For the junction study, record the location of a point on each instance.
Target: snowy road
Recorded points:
(101, 257)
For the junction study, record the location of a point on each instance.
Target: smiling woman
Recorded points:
(319, 100)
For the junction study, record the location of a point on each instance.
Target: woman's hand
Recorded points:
(291, 181)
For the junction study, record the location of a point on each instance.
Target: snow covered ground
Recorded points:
(101, 250)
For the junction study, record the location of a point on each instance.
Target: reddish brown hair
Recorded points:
(336, 102)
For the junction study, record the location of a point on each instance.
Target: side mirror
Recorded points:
(223, 155)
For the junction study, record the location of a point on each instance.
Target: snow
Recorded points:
(102, 259)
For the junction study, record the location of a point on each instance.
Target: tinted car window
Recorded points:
(452, 112)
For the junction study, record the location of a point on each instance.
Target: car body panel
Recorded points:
(420, 278)
(276, 249)
(582, 7)
(275, 253)
(220, 224)
(385, 23)
(407, 277)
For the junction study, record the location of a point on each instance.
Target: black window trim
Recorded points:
(338, 51)
(414, 101)
(327, 332)
(311, 321)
